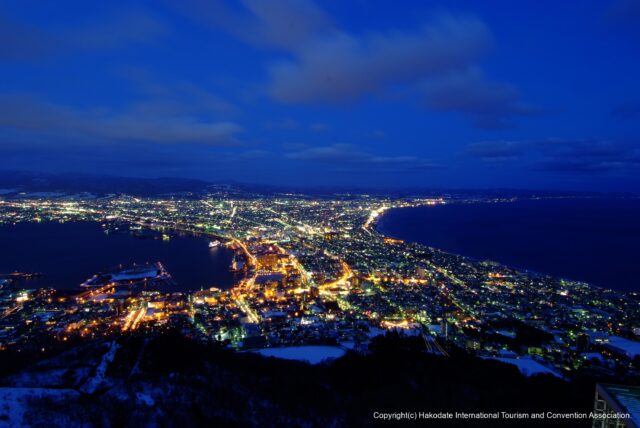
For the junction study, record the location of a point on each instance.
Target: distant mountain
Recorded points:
(23, 181)
(98, 184)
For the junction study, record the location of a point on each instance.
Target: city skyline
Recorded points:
(106, 314)
(455, 95)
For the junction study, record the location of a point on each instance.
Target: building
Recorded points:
(617, 399)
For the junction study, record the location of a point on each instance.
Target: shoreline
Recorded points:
(175, 234)
(377, 226)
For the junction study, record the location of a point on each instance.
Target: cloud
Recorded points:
(319, 127)
(492, 105)
(626, 110)
(287, 124)
(323, 63)
(337, 66)
(251, 154)
(586, 156)
(287, 23)
(22, 42)
(572, 165)
(279, 24)
(181, 97)
(377, 134)
(142, 121)
(118, 158)
(347, 155)
(624, 13)
(560, 155)
(494, 151)
(131, 27)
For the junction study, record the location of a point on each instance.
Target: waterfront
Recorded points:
(69, 253)
(313, 272)
(592, 240)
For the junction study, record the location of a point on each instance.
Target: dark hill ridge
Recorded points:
(26, 181)
(170, 380)
(97, 184)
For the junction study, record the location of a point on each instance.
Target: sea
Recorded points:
(594, 240)
(66, 254)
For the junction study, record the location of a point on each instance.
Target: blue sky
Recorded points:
(538, 95)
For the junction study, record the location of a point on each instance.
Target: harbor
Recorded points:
(75, 252)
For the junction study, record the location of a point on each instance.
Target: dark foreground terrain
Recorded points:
(170, 380)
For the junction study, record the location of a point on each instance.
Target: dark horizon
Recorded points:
(30, 181)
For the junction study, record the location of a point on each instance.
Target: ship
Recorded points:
(214, 244)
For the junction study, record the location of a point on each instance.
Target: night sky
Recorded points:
(518, 94)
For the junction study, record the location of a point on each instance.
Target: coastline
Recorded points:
(383, 228)
(178, 251)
